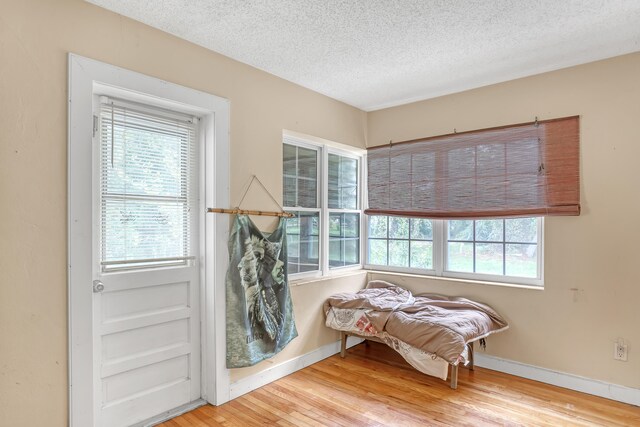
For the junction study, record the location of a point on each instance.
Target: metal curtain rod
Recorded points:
(535, 123)
(249, 212)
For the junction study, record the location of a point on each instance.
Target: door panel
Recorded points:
(127, 364)
(142, 341)
(119, 305)
(145, 406)
(135, 381)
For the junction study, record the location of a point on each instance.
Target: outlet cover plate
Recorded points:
(620, 351)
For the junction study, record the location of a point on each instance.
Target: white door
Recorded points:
(146, 309)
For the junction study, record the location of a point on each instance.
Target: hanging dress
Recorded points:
(260, 321)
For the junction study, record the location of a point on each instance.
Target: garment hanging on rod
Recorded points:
(239, 211)
(259, 309)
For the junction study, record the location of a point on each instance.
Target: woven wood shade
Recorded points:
(529, 169)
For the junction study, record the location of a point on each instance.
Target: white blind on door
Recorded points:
(147, 183)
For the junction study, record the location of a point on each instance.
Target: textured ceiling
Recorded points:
(374, 54)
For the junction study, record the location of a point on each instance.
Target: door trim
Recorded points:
(85, 76)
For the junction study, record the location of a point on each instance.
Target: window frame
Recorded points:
(324, 148)
(439, 227)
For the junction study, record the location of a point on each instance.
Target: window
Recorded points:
(460, 184)
(401, 242)
(505, 247)
(501, 250)
(322, 188)
(147, 161)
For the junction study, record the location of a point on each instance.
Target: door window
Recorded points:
(147, 180)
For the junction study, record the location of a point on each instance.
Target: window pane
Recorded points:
(460, 257)
(307, 163)
(378, 226)
(300, 180)
(334, 181)
(344, 243)
(307, 193)
(352, 251)
(489, 258)
(522, 230)
(421, 254)
(290, 175)
(377, 252)
(343, 252)
(489, 230)
(349, 197)
(461, 230)
(293, 225)
(399, 253)
(293, 244)
(336, 256)
(344, 224)
(351, 226)
(421, 229)
(348, 171)
(290, 191)
(308, 260)
(522, 260)
(335, 225)
(349, 183)
(289, 160)
(303, 243)
(398, 227)
(343, 182)
(314, 226)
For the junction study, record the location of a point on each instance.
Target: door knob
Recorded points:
(98, 286)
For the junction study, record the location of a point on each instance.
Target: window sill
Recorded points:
(453, 279)
(337, 275)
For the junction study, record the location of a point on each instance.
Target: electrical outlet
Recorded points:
(620, 351)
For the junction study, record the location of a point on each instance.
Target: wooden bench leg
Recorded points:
(454, 376)
(471, 361)
(343, 344)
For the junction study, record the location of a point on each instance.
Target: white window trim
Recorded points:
(324, 148)
(440, 261)
(86, 77)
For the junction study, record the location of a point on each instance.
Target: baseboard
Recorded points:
(252, 382)
(171, 414)
(560, 379)
(573, 382)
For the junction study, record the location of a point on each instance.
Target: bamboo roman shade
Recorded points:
(529, 169)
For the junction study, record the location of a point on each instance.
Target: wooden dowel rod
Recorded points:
(246, 212)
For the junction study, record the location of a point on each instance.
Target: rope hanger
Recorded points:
(239, 211)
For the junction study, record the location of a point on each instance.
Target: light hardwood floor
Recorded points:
(373, 386)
